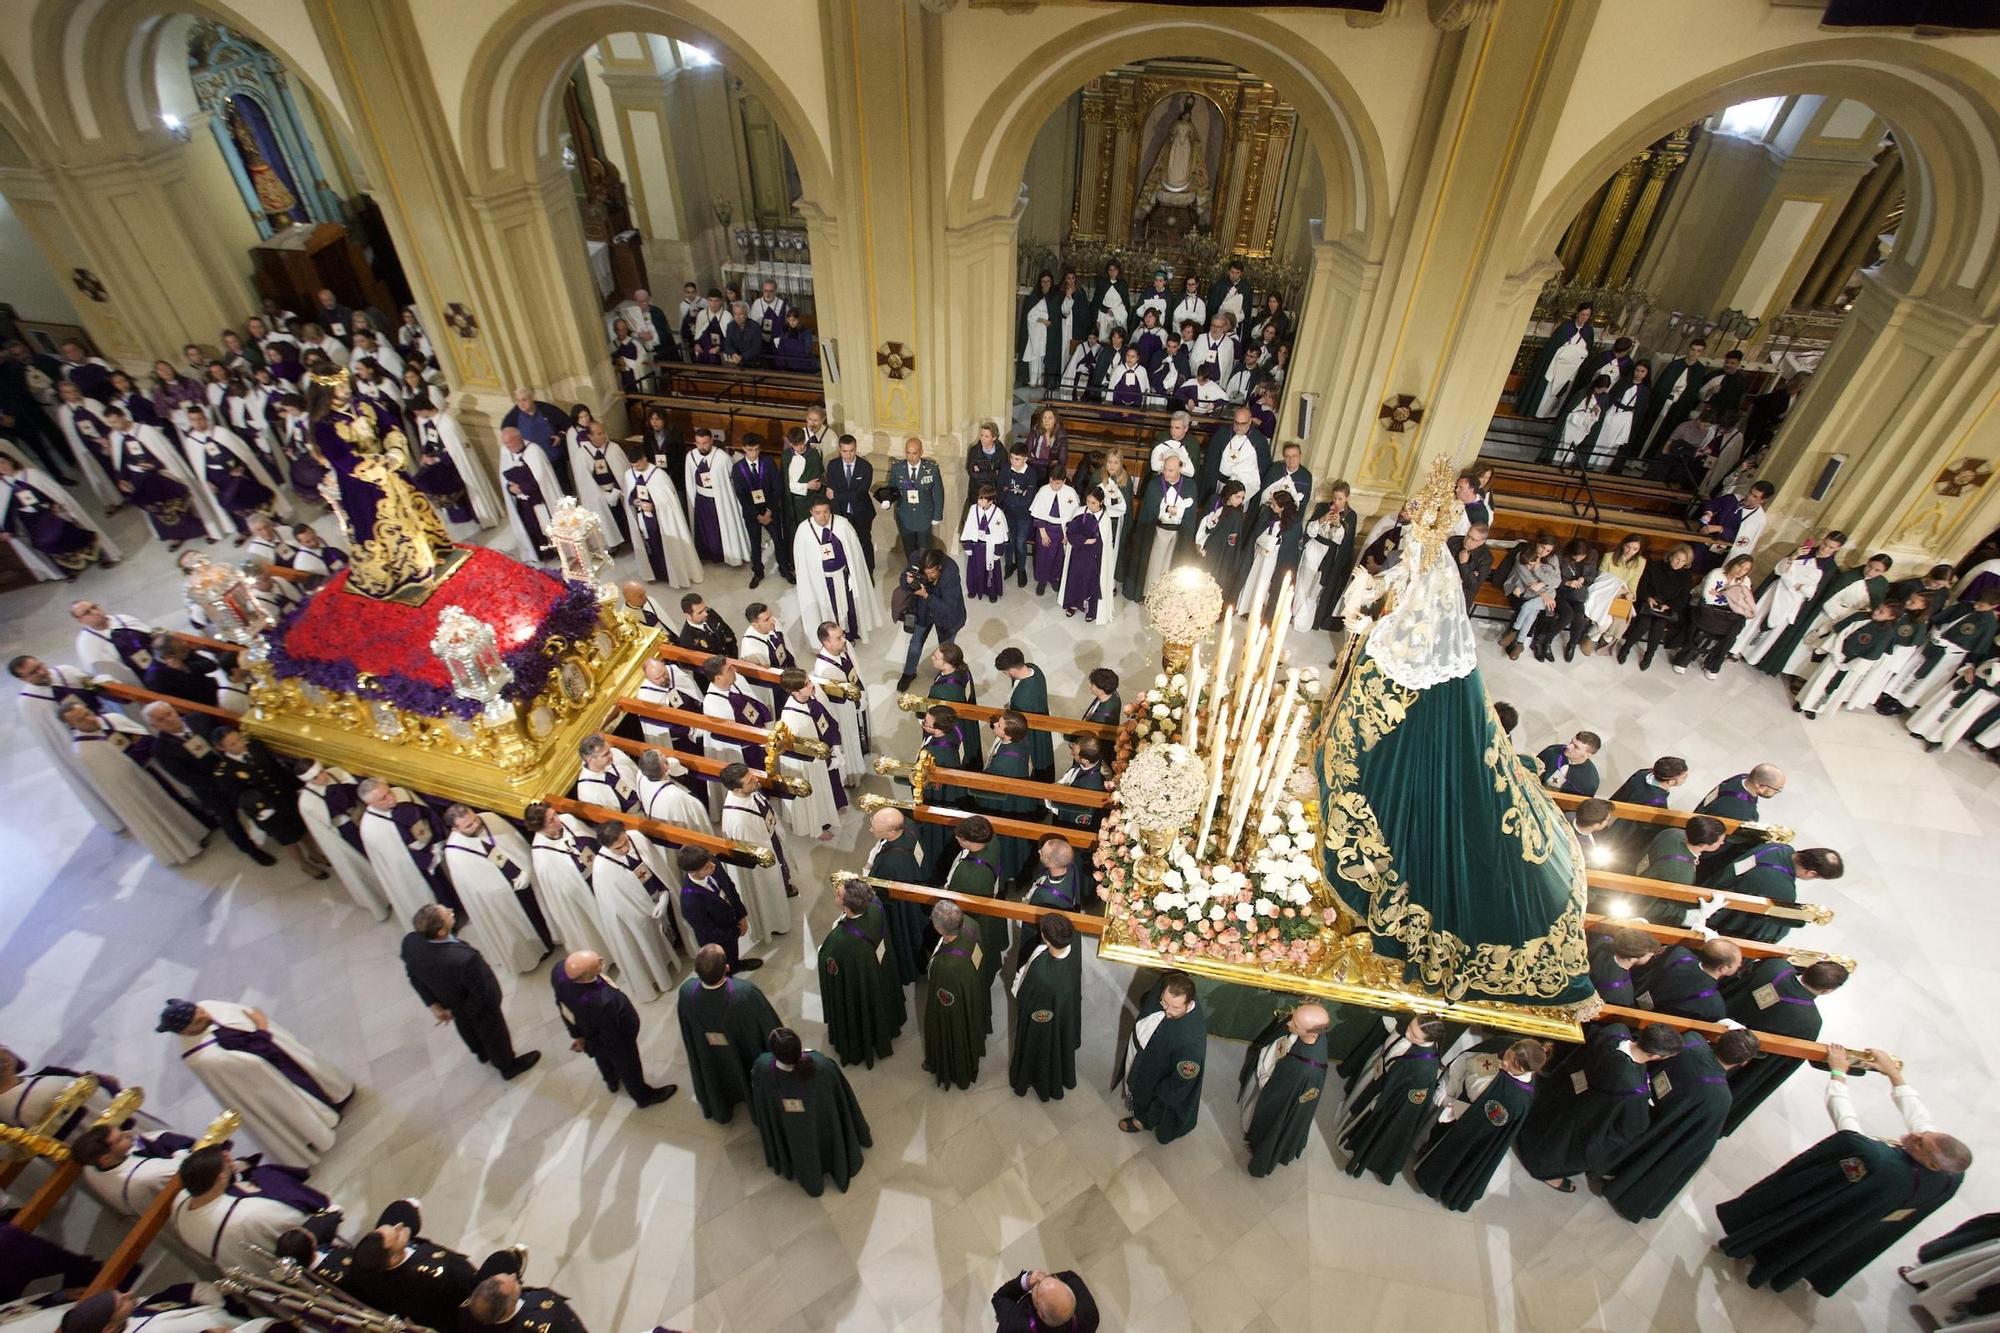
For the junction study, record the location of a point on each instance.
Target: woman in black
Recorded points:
(1579, 570)
(1661, 604)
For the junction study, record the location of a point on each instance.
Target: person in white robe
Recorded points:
(727, 701)
(490, 867)
(1891, 666)
(227, 1221)
(28, 1098)
(81, 421)
(515, 454)
(1579, 422)
(608, 777)
(1793, 583)
(1035, 342)
(667, 685)
(1852, 599)
(561, 853)
(836, 661)
(1564, 362)
(1112, 527)
(814, 814)
(660, 534)
(748, 817)
(202, 434)
(128, 1185)
(1954, 713)
(220, 1043)
(834, 584)
(328, 829)
(126, 1313)
(1957, 1286)
(983, 539)
(663, 797)
(429, 423)
(110, 752)
(1620, 410)
(45, 688)
(97, 642)
(1272, 520)
(400, 851)
(599, 466)
(128, 438)
(712, 500)
(763, 639)
(635, 906)
(1843, 667)
(27, 477)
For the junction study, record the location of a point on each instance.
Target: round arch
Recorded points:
(1944, 112)
(510, 100)
(986, 179)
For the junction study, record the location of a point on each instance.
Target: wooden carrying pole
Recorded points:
(726, 849)
(928, 776)
(36, 1210)
(710, 768)
(36, 1140)
(756, 671)
(1649, 814)
(1608, 881)
(949, 815)
(777, 737)
(133, 1247)
(1065, 726)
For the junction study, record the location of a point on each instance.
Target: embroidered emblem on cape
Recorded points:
(1495, 1113)
(1418, 1096)
(945, 998)
(833, 967)
(1188, 1069)
(1853, 1168)
(1043, 1015)
(1309, 1095)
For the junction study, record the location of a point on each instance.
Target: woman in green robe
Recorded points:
(1012, 757)
(1392, 1109)
(1048, 1013)
(1487, 1105)
(858, 990)
(955, 1017)
(954, 685)
(807, 1118)
(1030, 694)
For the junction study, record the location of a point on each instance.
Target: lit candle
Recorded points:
(1191, 708)
(1221, 671)
(1214, 795)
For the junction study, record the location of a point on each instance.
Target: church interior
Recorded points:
(1416, 576)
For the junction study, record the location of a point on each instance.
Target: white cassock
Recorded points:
(851, 714)
(1793, 583)
(1749, 531)
(356, 875)
(769, 650)
(671, 803)
(629, 917)
(392, 859)
(39, 711)
(100, 656)
(231, 444)
(983, 538)
(536, 459)
(1953, 712)
(1561, 373)
(1219, 352)
(1112, 527)
(171, 461)
(842, 594)
(130, 1187)
(38, 564)
(1113, 315)
(705, 482)
(716, 704)
(1582, 419)
(658, 521)
(1618, 413)
(169, 832)
(1848, 601)
(294, 1127)
(762, 888)
(1264, 563)
(231, 1228)
(814, 813)
(479, 867)
(616, 788)
(604, 495)
(1239, 463)
(74, 430)
(566, 895)
(1885, 671)
(480, 492)
(1836, 677)
(680, 690)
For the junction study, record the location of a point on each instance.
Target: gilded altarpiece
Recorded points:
(1236, 137)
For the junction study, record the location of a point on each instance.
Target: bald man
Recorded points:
(1045, 1303)
(1283, 1075)
(898, 855)
(603, 1025)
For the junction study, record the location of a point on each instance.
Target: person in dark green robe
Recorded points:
(1151, 546)
(1086, 772)
(1775, 871)
(796, 494)
(1393, 1104)
(1219, 536)
(1613, 956)
(1590, 1110)
(806, 1116)
(1783, 653)
(858, 991)
(1782, 1000)
(1164, 1064)
(897, 855)
(1486, 1096)
(1737, 797)
(954, 685)
(1284, 1072)
(1673, 857)
(1104, 706)
(976, 873)
(1829, 1212)
(1012, 757)
(1690, 1103)
(1048, 1013)
(1030, 695)
(940, 725)
(1625, 839)
(725, 1023)
(1687, 982)
(954, 1013)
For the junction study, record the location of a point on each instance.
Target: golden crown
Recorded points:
(334, 379)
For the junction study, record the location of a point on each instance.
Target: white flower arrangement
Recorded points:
(1162, 787)
(1184, 606)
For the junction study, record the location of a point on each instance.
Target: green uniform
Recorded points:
(1164, 1079)
(808, 1121)
(1690, 1103)
(977, 874)
(1458, 1162)
(1587, 1113)
(1031, 695)
(1768, 997)
(1764, 872)
(1387, 1118)
(1010, 759)
(1048, 1024)
(1280, 1118)
(955, 1011)
(919, 494)
(726, 1028)
(858, 991)
(956, 687)
(1676, 983)
(904, 859)
(1666, 858)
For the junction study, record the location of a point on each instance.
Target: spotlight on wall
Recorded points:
(175, 126)
(697, 57)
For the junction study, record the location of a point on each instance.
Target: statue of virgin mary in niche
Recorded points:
(1179, 175)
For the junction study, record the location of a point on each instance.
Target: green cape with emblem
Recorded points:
(726, 1028)
(808, 1121)
(858, 990)
(955, 1018)
(1458, 1162)
(1390, 1114)
(1048, 1025)
(1165, 1076)
(1690, 1103)
(1282, 1117)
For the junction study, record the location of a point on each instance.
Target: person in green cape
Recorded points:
(1836, 598)
(1829, 1212)
(1087, 772)
(1164, 1062)
(1030, 695)
(1048, 1013)
(1283, 1074)
(1690, 1103)
(955, 1012)
(940, 727)
(897, 855)
(1595, 1106)
(1011, 758)
(1394, 1103)
(1672, 856)
(1779, 999)
(810, 1125)
(975, 874)
(1687, 982)
(1772, 871)
(953, 685)
(725, 1023)
(1486, 1096)
(1613, 957)
(858, 990)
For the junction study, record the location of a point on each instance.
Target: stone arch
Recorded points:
(511, 95)
(1944, 112)
(986, 179)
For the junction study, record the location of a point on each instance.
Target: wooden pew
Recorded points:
(1063, 726)
(1652, 814)
(737, 384)
(148, 1224)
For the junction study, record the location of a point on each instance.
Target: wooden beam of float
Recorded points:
(1064, 726)
(138, 694)
(710, 768)
(775, 738)
(757, 671)
(148, 1224)
(947, 815)
(36, 1210)
(1608, 881)
(1656, 814)
(924, 775)
(676, 835)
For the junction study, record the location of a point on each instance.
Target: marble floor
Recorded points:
(659, 1217)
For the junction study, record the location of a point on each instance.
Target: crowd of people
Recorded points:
(713, 328)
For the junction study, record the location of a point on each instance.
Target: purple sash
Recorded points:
(260, 1044)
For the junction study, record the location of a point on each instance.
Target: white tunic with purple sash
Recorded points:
(826, 560)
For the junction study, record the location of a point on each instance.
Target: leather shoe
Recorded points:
(521, 1066)
(756, 579)
(747, 965)
(262, 858)
(1569, 651)
(903, 683)
(1624, 651)
(654, 1096)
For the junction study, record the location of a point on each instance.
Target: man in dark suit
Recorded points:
(703, 629)
(1050, 1302)
(450, 976)
(183, 751)
(1768, 411)
(179, 671)
(603, 1025)
(545, 426)
(849, 479)
(742, 341)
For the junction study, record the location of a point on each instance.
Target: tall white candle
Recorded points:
(1288, 757)
(1191, 708)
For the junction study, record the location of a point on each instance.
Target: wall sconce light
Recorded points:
(176, 127)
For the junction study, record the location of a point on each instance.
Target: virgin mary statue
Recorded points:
(398, 546)
(1179, 176)
(1436, 840)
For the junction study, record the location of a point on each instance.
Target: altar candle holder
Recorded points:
(471, 654)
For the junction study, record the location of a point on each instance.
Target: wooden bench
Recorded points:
(731, 422)
(755, 386)
(1540, 481)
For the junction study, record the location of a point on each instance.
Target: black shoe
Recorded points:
(903, 683)
(654, 1096)
(1646, 659)
(1932, 747)
(747, 965)
(611, 1084)
(1624, 651)
(757, 578)
(1569, 651)
(262, 858)
(1020, 578)
(521, 1066)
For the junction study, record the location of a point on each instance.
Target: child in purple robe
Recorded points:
(1054, 506)
(984, 537)
(1083, 571)
(1130, 383)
